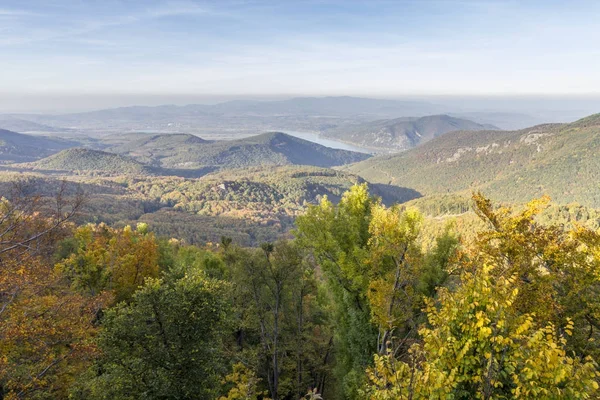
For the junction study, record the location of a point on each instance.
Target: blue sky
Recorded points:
(227, 47)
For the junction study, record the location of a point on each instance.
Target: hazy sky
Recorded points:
(231, 48)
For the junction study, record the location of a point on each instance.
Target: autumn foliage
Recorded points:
(360, 304)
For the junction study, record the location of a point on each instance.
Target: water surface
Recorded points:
(332, 143)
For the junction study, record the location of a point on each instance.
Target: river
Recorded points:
(332, 143)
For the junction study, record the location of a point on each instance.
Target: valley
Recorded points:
(254, 187)
(363, 211)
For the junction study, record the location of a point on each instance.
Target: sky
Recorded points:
(95, 52)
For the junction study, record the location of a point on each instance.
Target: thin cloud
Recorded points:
(76, 28)
(15, 13)
(273, 47)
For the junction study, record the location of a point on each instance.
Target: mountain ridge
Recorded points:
(81, 159)
(403, 133)
(560, 160)
(270, 148)
(20, 147)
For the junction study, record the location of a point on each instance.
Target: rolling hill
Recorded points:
(154, 148)
(402, 133)
(274, 148)
(78, 159)
(18, 147)
(561, 160)
(510, 121)
(250, 204)
(11, 123)
(121, 138)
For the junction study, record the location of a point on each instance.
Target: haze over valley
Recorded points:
(299, 200)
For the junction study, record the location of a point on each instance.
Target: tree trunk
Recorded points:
(275, 393)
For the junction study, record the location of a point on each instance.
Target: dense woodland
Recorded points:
(363, 302)
(251, 205)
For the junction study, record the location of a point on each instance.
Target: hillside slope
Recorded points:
(251, 205)
(561, 160)
(15, 124)
(402, 133)
(254, 204)
(275, 148)
(153, 148)
(18, 147)
(78, 159)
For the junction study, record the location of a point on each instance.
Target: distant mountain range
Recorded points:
(314, 114)
(11, 123)
(561, 160)
(402, 133)
(343, 106)
(245, 116)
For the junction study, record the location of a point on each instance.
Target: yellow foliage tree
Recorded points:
(245, 384)
(46, 328)
(478, 347)
(557, 271)
(112, 259)
(395, 263)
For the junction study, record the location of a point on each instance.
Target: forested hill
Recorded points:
(273, 148)
(78, 159)
(17, 147)
(161, 142)
(402, 133)
(561, 160)
(251, 205)
(154, 148)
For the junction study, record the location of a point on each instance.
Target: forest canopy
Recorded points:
(363, 302)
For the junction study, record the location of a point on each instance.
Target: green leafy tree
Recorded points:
(372, 259)
(245, 384)
(338, 236)
(165, 344)
(395, 269)
(280, 320)
(521, 323)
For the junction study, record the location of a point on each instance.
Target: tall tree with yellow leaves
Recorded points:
(478, 346)
(519, 323)
(117, 260)
(45, 327)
